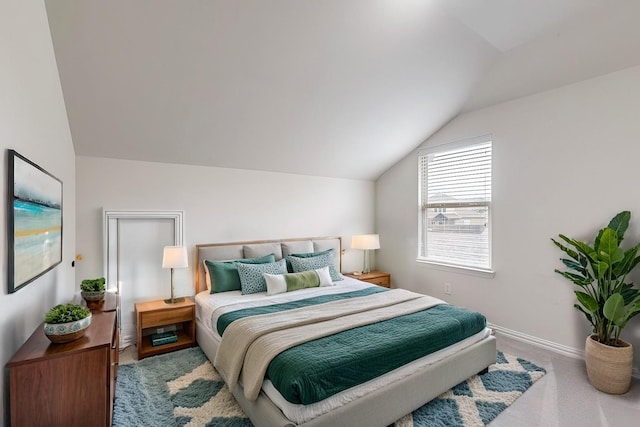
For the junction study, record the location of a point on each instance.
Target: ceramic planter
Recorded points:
(93, 298)
(65, 332)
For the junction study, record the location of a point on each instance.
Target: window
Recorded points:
(455, 204)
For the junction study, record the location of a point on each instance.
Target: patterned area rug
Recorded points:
(183, 389)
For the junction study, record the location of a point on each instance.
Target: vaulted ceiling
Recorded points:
(336, 88)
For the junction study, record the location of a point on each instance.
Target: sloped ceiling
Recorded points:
(335, 88)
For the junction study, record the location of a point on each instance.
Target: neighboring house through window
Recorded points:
(455, 204)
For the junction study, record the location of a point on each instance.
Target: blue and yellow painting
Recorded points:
(37, 221)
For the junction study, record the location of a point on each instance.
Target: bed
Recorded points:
(376, 401)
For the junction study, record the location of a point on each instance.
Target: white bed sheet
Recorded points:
(211, 306)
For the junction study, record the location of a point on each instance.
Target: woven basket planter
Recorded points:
(609, 368)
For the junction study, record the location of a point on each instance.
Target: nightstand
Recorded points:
(158, 316)
(379, 278)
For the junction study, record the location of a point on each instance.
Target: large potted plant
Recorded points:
(606, 300)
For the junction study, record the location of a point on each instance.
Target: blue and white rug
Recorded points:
(478, 400)
(183, 389)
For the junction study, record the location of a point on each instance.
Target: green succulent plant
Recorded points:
(64, 313)
(92, 285)
(600, 272)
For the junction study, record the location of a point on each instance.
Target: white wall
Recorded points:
(564, 161)
(220, 205)
(34, 123)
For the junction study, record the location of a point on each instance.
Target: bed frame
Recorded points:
(379, 408)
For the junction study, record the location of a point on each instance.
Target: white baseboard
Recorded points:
(545, 344)
(127, 340)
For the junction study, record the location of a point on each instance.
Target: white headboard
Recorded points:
(280, 248)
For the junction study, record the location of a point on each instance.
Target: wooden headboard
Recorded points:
(280, 248)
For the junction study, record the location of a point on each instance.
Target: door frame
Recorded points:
(111, 234)
(111, 244)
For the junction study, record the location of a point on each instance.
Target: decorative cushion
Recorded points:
(304, 255)
(252, 278)
(222, 276)
(315, 261)
(312, 254)
(279, 283)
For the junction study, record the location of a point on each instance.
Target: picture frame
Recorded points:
(34, 221)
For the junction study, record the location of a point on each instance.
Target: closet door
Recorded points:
(140, 273)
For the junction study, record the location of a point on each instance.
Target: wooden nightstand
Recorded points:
(158, 316)
(379, 278)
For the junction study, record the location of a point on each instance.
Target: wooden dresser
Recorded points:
(70, 384)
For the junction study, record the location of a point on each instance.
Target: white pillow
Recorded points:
(324, 274)
(277, 283)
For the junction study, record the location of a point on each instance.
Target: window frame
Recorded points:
(422, 209)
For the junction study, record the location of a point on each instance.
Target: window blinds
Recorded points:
(457, 177)
(455, 201)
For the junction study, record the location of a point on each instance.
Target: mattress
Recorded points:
(211, 307)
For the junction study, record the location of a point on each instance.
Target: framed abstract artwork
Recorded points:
(34, 219)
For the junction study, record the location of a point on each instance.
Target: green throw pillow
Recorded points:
(224, 274)
(279, 283)
(312, 254)
(305, 279)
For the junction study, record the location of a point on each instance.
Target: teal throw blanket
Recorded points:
(317, 369)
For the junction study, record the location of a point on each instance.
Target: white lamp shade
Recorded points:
(365, 241)
(175, 257)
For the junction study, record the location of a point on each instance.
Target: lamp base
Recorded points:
(173, 300)
(367, 262)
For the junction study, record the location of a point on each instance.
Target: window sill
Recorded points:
(487, 274)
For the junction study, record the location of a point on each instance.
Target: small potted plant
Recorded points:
(92, 290)
(66, 322)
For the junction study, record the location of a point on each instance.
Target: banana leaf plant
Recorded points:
(600, 272)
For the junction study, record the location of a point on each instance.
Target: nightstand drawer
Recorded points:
(379, 278)
(381, 281)
(166, 317)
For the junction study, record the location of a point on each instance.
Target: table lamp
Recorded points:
(366, 242)
(174, 257)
